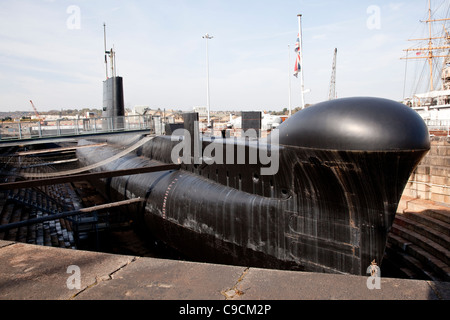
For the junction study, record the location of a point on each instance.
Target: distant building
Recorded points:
(53, 117)
(139, 110)
(202, 111)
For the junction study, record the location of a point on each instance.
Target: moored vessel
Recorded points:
(430, 96)
(318, 194)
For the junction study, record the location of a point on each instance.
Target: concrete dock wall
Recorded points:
(34, 272)
(431, 179)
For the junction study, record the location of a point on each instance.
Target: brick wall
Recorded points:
(431, 179)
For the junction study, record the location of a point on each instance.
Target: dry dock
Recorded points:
(418, 243)
(34, 272)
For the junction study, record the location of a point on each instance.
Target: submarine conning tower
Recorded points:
(113, 104)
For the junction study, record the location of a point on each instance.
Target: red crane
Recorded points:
(36, 113)
(35, 110)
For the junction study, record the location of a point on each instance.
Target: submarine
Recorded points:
(318, 194)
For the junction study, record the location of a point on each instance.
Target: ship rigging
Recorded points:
(432, 101)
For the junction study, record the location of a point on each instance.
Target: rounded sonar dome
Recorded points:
(359, 123)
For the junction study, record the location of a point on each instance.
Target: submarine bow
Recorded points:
(343, 165)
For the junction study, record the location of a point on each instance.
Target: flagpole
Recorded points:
(301, 60)
(104, 41)
(207, 37)
(289, 79)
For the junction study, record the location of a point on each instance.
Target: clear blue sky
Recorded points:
(162, 56)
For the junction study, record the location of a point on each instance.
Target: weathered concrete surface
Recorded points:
(166, 279)
(431, 179)
(37, 272)
(290, 285)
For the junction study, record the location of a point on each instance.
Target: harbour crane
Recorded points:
(35, 110)
(332, 92)
(38, 117)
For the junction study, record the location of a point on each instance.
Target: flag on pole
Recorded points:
(297, 65)
(297, 60)
(297, 44)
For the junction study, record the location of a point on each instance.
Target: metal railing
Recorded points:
(32, 129)
(442, 126)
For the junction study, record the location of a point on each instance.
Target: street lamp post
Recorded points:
(207, 37)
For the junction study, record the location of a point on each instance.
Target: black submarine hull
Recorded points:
(328, 207)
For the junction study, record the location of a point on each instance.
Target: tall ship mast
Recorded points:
(432, 101)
